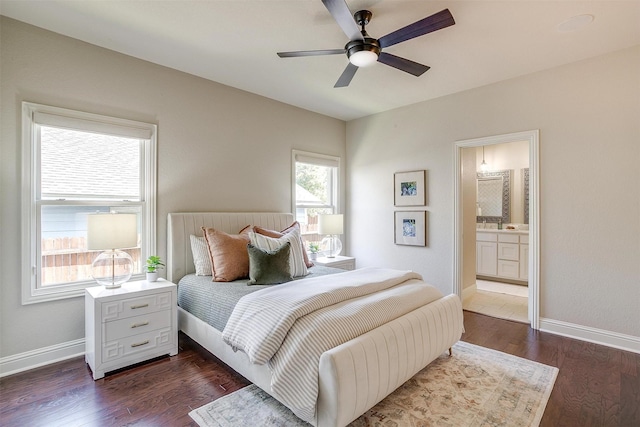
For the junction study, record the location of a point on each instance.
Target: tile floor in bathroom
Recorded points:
(500, 300)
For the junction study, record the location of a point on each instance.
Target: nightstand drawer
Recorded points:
(136, 325)
(117, 349)
(130, 307)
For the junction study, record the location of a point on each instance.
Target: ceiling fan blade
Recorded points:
(427, 25)
(341, 13)
(298, 53)
(346, 76)
(402, 64)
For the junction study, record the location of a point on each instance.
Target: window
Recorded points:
(315, 190)
(74, 164)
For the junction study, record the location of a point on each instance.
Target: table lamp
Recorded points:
(331, 225)
(112, 232)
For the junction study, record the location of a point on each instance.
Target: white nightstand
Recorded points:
(343, 262)
(130, 324)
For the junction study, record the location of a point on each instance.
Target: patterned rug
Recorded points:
(476, 387)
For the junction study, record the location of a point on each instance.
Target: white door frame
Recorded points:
(532, 137)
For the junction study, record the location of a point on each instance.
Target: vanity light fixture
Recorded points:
(483, 166)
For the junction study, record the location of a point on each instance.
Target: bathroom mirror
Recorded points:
(494, 196)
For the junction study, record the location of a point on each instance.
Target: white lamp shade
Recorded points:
(112, 231)
(330, 224)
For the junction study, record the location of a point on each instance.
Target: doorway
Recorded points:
(463, 229)
(498, 299)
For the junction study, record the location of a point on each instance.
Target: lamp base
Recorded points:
(331, 246)
(112, 268)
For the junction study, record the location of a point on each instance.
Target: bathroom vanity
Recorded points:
(503, 254)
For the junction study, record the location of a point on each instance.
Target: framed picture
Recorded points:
(411, 228)
(410, 188)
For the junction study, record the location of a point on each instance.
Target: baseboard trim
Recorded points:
(43, 356)
(593, 335)
(469, 291)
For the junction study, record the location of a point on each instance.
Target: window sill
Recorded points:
(55, 293)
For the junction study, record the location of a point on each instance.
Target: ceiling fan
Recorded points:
(363, 50)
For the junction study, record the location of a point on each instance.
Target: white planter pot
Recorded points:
(152, 277)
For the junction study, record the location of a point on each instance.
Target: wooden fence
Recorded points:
(66, 259)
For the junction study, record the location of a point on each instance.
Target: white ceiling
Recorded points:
(235, 43)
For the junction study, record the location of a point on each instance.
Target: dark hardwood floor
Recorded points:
(596, 385)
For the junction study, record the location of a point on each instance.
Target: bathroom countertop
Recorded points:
(495, 230)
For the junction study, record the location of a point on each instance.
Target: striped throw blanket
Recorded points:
(291, 325)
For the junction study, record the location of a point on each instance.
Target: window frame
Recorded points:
(319, 160)
(33, 117)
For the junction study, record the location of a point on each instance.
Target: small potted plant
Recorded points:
(314, 248)
(154, 263)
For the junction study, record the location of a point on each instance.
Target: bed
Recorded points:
(351, 377)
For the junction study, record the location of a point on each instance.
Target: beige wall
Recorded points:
(219, 148)
(587, 114)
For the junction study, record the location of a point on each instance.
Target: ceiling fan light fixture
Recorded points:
(363, 53)
(363, 58)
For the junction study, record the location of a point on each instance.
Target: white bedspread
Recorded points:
(291, 325)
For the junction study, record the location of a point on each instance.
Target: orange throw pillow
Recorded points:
(228, 253)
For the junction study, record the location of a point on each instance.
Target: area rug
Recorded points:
(477, 386)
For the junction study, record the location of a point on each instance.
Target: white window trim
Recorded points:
(317, 159)
(31, 293)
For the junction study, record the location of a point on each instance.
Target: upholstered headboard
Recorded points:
(181, 225)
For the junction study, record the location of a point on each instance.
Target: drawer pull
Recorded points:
(140, 343)
(133, 307)
(137, 325)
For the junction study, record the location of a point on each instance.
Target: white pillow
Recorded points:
(201, 259)
(296, 258)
